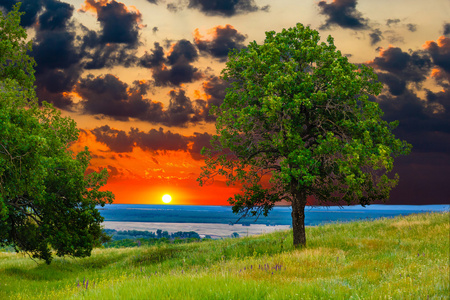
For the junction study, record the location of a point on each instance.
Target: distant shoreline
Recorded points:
(203, 229)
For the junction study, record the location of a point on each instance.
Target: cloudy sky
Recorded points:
(139, 77)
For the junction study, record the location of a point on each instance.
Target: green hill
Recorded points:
(399, 258)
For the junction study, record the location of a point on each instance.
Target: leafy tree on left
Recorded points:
(47, 203)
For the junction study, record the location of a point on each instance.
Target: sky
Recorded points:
(139, 77)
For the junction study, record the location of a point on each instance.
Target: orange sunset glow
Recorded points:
(141, 177)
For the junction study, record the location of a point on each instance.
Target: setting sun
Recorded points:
(166, 198)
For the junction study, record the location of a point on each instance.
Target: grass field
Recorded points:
(399, 258)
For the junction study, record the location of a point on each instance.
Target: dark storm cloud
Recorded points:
(225, 38)
(61, 53)
(57, 56)
(53, 45)
(154, 140)
(60, 100)
(375, 36)
(30, 8)
(110, 56)
(182, 50)
(116, 42)
(116, 140)
(180, 112)
(440, 52)
(215, 90)
(226, 8)
(397, 68)
(342, 13)
(181, 72)
(53, 85)
(158, 140)
(55, 49)
(199, 140)
(412, 65)
(51, 14)
(424, 123)
(180, 109)
(109, 96)
(179, 68)
(118, 24)
(441, 77)
(446, 29)
(56, 15)
(395, 84)
(439, 105)
(102, 87)
(154, 59)
(98, 55)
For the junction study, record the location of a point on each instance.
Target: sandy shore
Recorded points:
(214, 230)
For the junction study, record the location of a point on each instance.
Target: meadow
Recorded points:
(390, 258)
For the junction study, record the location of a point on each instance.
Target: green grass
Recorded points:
(399, 258)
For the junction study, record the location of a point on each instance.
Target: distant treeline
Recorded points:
(117, 235)
(136, 238)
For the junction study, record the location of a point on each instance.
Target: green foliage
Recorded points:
(297, 122)
(14, 60)
(394, 258)
(46, 201)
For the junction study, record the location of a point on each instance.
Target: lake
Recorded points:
(219, 221)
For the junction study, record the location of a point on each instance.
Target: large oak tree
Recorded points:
(297, 122)
(47, 203)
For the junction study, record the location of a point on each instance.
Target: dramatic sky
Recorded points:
(139, 77)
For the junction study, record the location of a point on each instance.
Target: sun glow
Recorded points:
(166, 198)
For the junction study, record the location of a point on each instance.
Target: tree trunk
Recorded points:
(298, 218)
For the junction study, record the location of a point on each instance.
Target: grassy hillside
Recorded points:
(400, 258)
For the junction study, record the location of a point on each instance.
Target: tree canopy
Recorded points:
(47, 203)
(298, 122)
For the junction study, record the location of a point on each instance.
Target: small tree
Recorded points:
(46, 201)
(297, 122)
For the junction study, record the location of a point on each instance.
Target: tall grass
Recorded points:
(399, 258)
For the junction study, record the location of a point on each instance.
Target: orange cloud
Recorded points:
(212, 33)
(440, 53)
(94, 7)
(442, 42)
(436, 72)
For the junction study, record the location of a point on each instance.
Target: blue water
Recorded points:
(278, 216)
